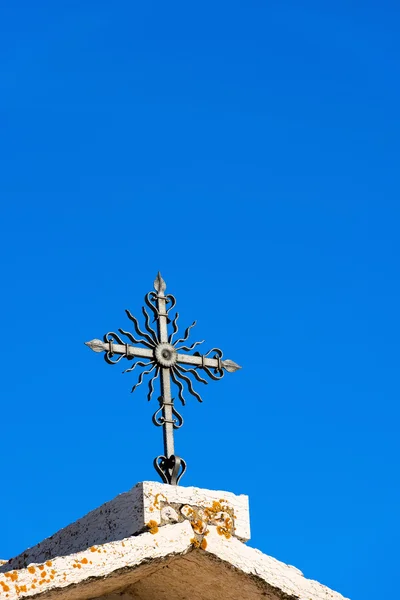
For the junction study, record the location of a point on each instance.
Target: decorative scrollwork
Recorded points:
(159, 419)
(170, 469)
(112, 338)
(150, 340)
(157, 355)
(151, 301)
(218, 371)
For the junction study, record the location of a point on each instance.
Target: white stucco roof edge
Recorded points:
(101, 569)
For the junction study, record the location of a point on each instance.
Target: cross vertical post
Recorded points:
(169, 462)
(165, 359)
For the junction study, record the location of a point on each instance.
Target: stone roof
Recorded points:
(157, 542)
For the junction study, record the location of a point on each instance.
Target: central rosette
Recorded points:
(165, 354)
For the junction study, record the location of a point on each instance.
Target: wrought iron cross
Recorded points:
(164, 358)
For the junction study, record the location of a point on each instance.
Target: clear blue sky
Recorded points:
(250, 151)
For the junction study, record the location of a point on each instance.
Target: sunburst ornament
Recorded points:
(164, 360)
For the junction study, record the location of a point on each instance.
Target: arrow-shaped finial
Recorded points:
(96, 345)
(230, 366)
(159, 283)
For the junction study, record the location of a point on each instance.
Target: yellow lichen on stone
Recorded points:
(156, 503)
(198, 525)
(217, 514)
(153, 526)
(223, 531)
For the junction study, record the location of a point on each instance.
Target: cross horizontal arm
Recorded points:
(202, 361)
(186, 359)
(99, 346)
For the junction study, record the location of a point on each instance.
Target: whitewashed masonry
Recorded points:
(157, 542)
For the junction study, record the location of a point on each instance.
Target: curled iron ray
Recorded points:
(148, 327)
(192, 347)
(186, 334)
(190, 387)
(179, 385)
(139, 363)
(218, 353)
(142, 374)
(131, 337)
(175, 328)
(150, 342)
(192, 372)
(151, 384)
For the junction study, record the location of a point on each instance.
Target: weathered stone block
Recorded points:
(147, 505)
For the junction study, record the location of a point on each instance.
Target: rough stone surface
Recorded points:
(130, 513)
(157, 542)
(169, 515)
(158, 495)
(165, 565)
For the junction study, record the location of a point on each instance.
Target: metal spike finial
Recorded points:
(230, 366)
(159, 283)
(95, 345)
(163, 360)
